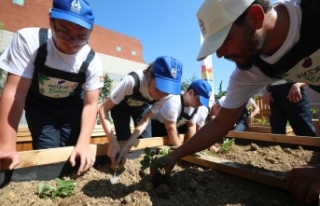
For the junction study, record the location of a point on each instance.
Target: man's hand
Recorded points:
(304, 183)
(167, 162)
(87, 158)
(11, 155)
(294, 94)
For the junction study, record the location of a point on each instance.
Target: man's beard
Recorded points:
(250, 49)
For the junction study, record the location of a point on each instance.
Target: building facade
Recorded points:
(119, 53)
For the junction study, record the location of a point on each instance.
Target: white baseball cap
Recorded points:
(215, 18)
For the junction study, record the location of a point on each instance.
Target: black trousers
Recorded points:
(297, 114)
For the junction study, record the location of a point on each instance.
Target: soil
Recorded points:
(188, 185)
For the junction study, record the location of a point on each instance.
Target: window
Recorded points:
(19, 2)
(134, 53)
(119, 48)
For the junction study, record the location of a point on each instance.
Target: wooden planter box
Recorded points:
(267, 129)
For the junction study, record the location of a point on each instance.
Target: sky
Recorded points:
(164, 27)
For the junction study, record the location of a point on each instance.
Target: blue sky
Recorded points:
(164, 27)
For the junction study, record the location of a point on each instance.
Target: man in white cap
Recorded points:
(55, 76)
(267, 42)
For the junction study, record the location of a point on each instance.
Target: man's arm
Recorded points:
(88, 119)
(210, 133)
(11, 106)
(171, 128)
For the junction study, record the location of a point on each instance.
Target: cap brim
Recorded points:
(213, 43)
(57, 14)
(204, 101)
(167, 86)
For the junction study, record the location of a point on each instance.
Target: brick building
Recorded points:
(119, 53)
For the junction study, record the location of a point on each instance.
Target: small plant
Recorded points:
(155, 162)
(151, 159)
(63, 188)
(314, 112)
(226, 144)
(263, 121)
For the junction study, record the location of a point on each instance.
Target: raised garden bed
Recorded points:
(197, 180)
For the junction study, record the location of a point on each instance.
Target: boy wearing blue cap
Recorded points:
(179, 113)
(55, 76)
(139, 96)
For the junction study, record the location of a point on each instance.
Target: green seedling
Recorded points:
(152, 160)
(226, 145)
(263, 121)
(63, 188)
(155, 162)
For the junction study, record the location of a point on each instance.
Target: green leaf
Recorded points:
(147, 150)
(40, 188)
(143, 167)
(152, 153)
(146, 158)
(143, 162)
(59, 181)
(164, 161)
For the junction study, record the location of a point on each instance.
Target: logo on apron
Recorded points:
(56, 87)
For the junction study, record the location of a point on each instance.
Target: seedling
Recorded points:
(263, 121)
(152, 160)
(155, 163)
(226, 144)
(63, 188)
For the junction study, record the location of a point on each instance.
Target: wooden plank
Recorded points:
(230, 167)
(19, 147)
(316, 124)
(26, 146)
(56, 155)
(277, 138)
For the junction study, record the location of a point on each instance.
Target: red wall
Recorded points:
(35, 13)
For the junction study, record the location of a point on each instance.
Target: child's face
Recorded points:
(154, 92)
(194, 100)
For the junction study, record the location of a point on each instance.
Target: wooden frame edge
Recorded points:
(55, 155)
(277, 138)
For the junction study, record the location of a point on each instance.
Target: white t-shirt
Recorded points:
(202, 115)
(250, 103)
(171, 110)
(125, 87)
(244, 84)
(19, 58)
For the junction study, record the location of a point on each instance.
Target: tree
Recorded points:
(106, 89)
(185, 84)
(220, 93)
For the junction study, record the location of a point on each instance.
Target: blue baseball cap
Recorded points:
(204, 89)
(167, 72)
(75, 11)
